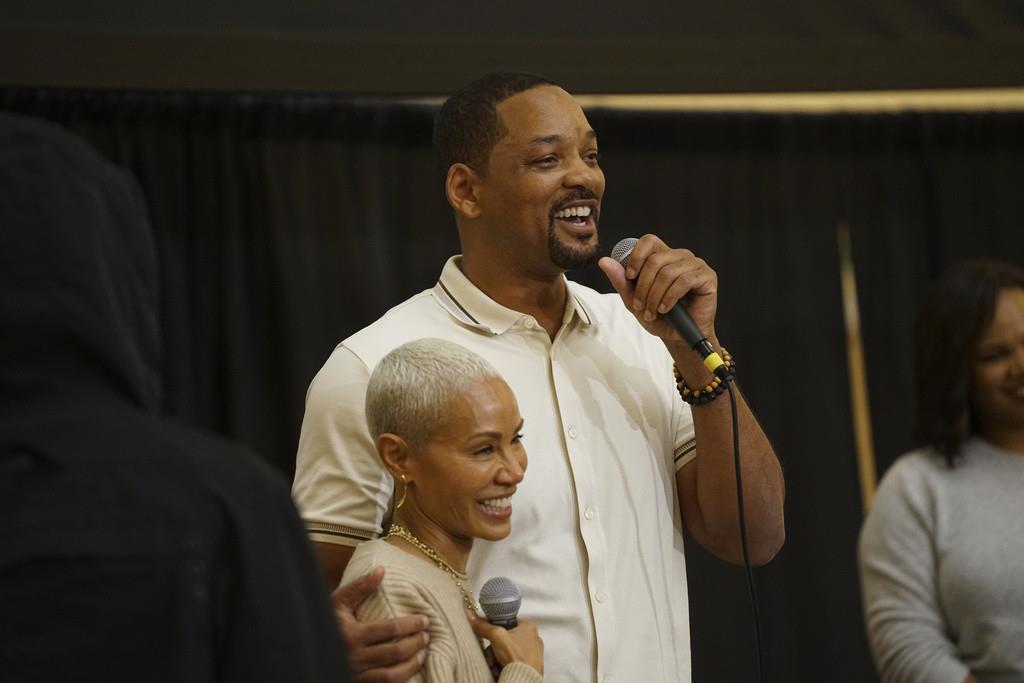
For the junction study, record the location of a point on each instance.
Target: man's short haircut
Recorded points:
(467, 126)
(411, 390)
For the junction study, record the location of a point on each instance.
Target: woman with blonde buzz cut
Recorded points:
(448, 429)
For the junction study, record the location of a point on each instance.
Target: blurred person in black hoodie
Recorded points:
(131, 547)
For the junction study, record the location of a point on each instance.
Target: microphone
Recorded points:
(680, 319)
(500, 600)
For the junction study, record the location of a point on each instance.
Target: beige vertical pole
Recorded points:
(857, 371)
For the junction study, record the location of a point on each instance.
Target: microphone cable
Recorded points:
(743, 530)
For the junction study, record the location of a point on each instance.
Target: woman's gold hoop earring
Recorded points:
(405, 491)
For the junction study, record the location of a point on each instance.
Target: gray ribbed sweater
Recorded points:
(415, 586)
(942, 568)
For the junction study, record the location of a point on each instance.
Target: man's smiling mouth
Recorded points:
(574, 214)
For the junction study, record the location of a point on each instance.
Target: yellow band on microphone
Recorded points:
(713, 361)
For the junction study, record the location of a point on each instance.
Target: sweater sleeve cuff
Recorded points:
(951, 670)
(520, 672)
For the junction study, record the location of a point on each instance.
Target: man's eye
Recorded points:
(517, 438)
(593, 157)
(546, 161)
(484, 450)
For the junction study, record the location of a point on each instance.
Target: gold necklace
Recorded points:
(401, 532)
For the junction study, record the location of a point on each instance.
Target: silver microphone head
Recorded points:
(622, 250)
(500, 600)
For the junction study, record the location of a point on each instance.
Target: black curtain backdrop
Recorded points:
(285, 223)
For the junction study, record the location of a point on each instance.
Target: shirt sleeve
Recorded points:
(906, 628)
(341, 487)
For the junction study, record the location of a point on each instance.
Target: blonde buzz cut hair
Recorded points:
(413, 386)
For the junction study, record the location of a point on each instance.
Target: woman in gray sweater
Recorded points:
(942, 550)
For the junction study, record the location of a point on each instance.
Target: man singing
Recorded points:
(620, 464)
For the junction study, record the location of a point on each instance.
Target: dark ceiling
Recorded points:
(405, 47)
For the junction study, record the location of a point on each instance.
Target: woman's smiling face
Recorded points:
(997, 373)
(463, 477)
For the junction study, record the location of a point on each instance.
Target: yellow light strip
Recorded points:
(1006, 99)
(994, 99)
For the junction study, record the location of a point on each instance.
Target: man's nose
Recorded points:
(582, 174)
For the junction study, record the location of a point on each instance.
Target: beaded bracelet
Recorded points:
(710, 392)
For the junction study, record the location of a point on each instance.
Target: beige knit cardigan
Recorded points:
(414, 585)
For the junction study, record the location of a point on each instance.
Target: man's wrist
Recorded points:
(725, 370)
(690, 364)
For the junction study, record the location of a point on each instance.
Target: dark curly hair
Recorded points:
(467, 126)
(959, 308)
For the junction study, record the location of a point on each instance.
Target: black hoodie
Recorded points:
(131, 548)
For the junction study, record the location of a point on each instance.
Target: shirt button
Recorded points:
(572, 432)
(589, 513)
(530, 324)
(599, 596)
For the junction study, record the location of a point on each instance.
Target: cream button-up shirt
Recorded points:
(596, 544)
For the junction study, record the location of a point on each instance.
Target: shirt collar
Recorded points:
(466, 302)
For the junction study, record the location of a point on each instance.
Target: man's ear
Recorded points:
(394, 452)
(461, 189)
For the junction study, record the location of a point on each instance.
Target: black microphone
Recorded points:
(680, 319)
(500, 600)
